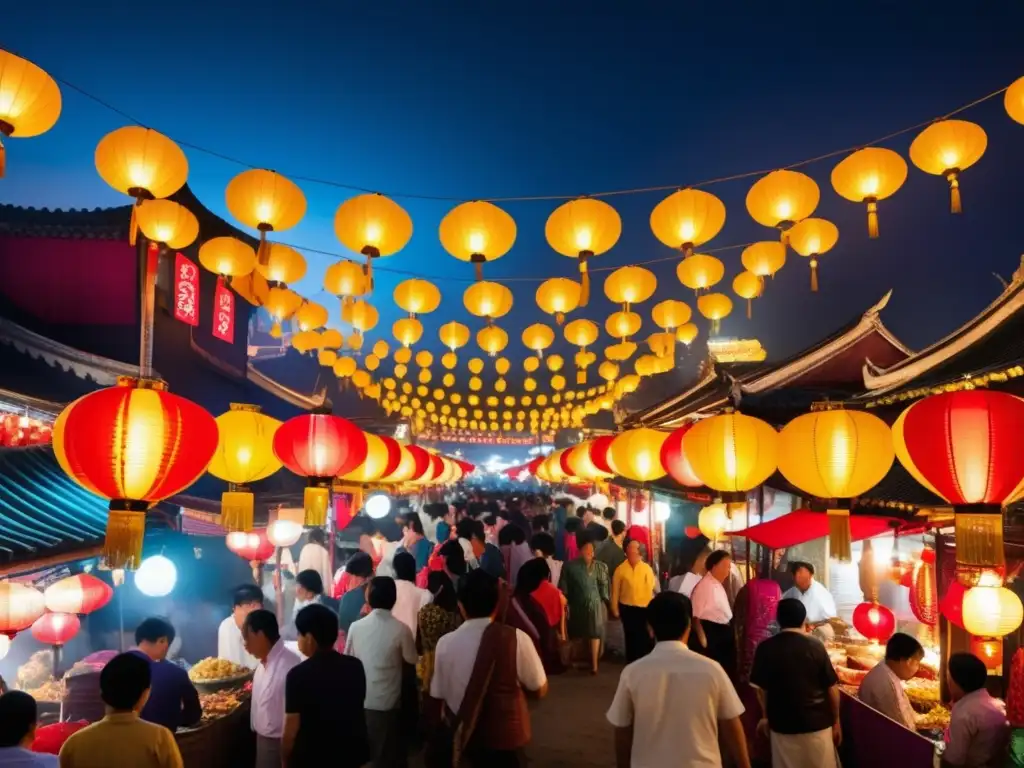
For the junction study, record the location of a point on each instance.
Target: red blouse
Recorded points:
(550, 600)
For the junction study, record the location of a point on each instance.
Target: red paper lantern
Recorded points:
(675, 461)
(394, 455)
(924, 601)
(989, 650)
(56, 628)
(532, 465)
(466, 466)
(952, 603)
(251, 546)
(599, 453)
(563, 461)
(876, 622)
(83, 593)
(421, 462)
(319, 446)
(692, 531)
(20, 606)
(134, 444)
(436, 467)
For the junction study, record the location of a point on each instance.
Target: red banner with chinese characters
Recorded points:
(224, 313)
(186, 290)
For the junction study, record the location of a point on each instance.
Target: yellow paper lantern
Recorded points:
(558, 296)
(645, 365)
(475, 384)
(811, 238)
(374, 226)
(991, 611)
(424, 359)
(714, 306)
(621, 351)
(363, 316)
(687, 218)
(502, 366)
(424, 376)
(449, 360)
(245, 454)
(731, 452)
(371, 362)
(1013, 100)
(361, 379)
(529, 384)
(305, 341)
(781, 199)
(400, 370)
(417, 297)
(487, 299)
(477, 232)
(867, 176)
(281, 304)
(500, 385)
(662, 344)
(558, 383)
(764, 258)
(622, 325)
(167, 223)
(345, 279)
(331, 339)
(283, 264)
(453, 335)
(670, 314)
(947, 148)
(492, 339)
(403, 355)
(630, 285)
(713, 521)
(344, 367)
(608, 371)
(30, 100)
(327, 357)
(476, 366)
(227, 257)
(407, 330)
(581, 333)
(310, 316)
(538, 337)
(555, 363)
(267, 202)
(581, 229)
(700, 271)
(747, 286)
(636, 454)
(531, 364)
(373, 466)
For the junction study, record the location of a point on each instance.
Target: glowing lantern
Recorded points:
(319, 446)
(558, 383)
(245, 454)
(346, 280)
(581, 465)
(715, 519)
(310, 316)
(811, 238)
(123, 443)
(381, 349)
(836, 454)
(453, 335)
(382, 458)
(685, 334)
(56, 629)
(476, 365)
(608, 371)
(636, 454)
(747, 286)
(731, 452)
(555, 363)
(487, 299)
(962, 446)
(557, 296)
(991, 611)
(622, 325)
(281, 304)
(140, 163)
(674, 459)
(687, 218)
(477, 232)
(20, 606)
(867, 176)
(581, 229)
(265, 201)
(670, 314)
(947, 148)
(645, 365)
(282, 264)
(407, 330)
(781, 199)
(1013, 100)
(227, 257)
(714, 306)
(167, 223)
(253, 546)
(876, 622)
(630, 285)
(700, 272)
(492, 339)
(764, 259)
(620, 352)
(355, 341)
(83, 593)
(364, 317)
(417, 297)
(372, 225)
(989, 650)
(327, 357)
(538, 337)
(30, 101)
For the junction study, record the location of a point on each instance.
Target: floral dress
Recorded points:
(434, 623)
(587, 590)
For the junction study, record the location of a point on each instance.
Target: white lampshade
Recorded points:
(378, 506)
(156, 576)
(284, 533)
(991, 611)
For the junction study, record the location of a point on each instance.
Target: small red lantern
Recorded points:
(989, 650)
(876, 622)
(599, 453)
(319, 446)
(83, 593)
(20, 606)
(675, 461)
(952, 603)
(56, 628)
(253, 546)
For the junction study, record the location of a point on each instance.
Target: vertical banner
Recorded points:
(224, 313)
(186, 290)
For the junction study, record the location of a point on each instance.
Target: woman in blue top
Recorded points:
(415, 541)
(352, 604)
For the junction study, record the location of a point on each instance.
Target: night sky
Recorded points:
(471, 100)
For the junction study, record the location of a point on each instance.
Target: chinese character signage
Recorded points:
(186, 290)
(224, 313)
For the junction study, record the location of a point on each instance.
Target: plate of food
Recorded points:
(213, 674)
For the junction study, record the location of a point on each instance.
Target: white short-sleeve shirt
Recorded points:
(382, 643)
(818, 601)
(674, 699)
(231, 646)
(710, 601)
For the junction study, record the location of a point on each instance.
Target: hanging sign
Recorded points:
(186, 290)
(224, 313)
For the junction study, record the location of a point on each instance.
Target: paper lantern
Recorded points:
(282, 264)
(453, 335)
(764, 258)
(502, 366)
(30, 100)
(636, 454)
(82, 593)
(947, 148)
(581, 229)
(731, 452)
(963, 446)
(674, 460)
(405, 469)
(555, 363)
(581, 333)
(581, 465)
(747, 286)
(382, 458)
(252, 546)
(244, 455)
(876, 622)
(687, 218)
(713, 522)
(344, 367)
(700, 271)
(623, 324)
(952, 604)
(608, 371)
(345, 279)
(714, 306)
(491, 339)
(923, 590)
(319, 446)
(281, 304)
(645, 365)
(374, 226)
(989, 650)
(867, 176)
(781, 199)
(310, 315)
(1013, 100)
(141, 163)
(685, 334)
(20, 606)
(538, 337)
(599, 453)
(267, 202)
(360, 379)
(991, 611)
(364, 316)
(56, 628)
(487, 299)
(558, 296)
(630, 285)
(670, 314)
(477, 232)
(417, 297)
(227, 257)
(124, 443)
(156, 576)
(167, 223)
(407, 330)
(811, 238)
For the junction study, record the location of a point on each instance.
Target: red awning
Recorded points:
(802, 526)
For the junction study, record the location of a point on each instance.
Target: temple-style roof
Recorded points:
(988, 350)
(831, 367)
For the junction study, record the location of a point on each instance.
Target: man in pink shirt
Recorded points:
(263, 640)
(978, 730)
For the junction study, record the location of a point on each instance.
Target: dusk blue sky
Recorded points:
(481, 99)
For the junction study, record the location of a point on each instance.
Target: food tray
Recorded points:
(222, 683)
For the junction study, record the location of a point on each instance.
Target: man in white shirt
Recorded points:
(410, 598)
(230, 644)
(383, 644)
(672, 704)
(818, 601)
(315, 557)
(263, 640)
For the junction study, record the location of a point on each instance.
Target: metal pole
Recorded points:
(148, 310)
(279, 589)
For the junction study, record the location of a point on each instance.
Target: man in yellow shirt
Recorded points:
(633, 587)
(121, 739)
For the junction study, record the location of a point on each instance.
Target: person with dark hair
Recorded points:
(453, 557)
(882, 689)
(610, 551)
(384, 645)
(410, 598)
(633, 587)
(713, 635)
(705, 708)
(525, 612)
(548, 596)
(435, 620)
(540, 523)
(415, 541)
(608, 514)
(230, 645)
(487, 555)
(978, 730)
(514, 550)
(818, 601)
(323, 699)
(122, 739)
(586, 582)
(173, 700)
(315, 556)
(798, 691)
(263, 640)
(18, 719)
(543, 545)
(464, 534)
(570, 546)
(358, 572)
(692, 575)
(481, 672)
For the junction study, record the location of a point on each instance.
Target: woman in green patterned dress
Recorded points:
(585, 583)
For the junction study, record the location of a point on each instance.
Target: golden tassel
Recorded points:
(263, 254)
(814, 275)
(133, 224)
(315, 501)
(584, 282)
(236, 508)
(122, 547)
(872, 218)
(559, 317)
(839, 536)
(954, 193)
(716, 325)
(979, 543)
(581, 376)
(749, 303)
(868, 578)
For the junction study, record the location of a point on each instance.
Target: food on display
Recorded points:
(211, 669)
(36, 671)
(220, 703)
(923, 694)
(936, 719)
(50, 691)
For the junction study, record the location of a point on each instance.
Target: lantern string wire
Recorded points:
(536, 198)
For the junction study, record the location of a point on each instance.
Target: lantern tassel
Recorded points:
(275, 330)
(122, 547)
(749, 308)
(315, 501)
(814, 275)
(559, 318)
(839, 536)
(133, 224)
(584, 282)
(872, 219)
(263, 254)
(478, 270)
(581, 376)
(954, 193)
(236, 509)
(979, 542)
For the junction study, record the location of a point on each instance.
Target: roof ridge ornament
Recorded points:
(879, 306)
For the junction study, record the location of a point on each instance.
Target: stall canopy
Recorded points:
(803, 525)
